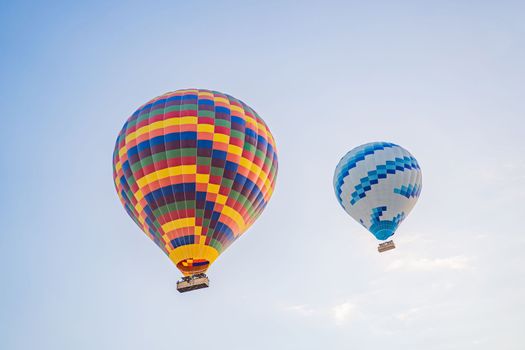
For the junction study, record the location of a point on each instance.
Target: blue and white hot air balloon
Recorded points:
(378, 184)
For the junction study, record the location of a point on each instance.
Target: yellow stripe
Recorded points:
(160, 125)
(194, 251)
(272, 142)
(139, 208)
(245, 163)
(178, 223)
(138, 195)
(235, 216)
(237, 109)
(221, 138)
(205, 128)
(222, 100)
(250, 120)
(202, 178)
(221, 199)
(256, 170)
(131, 136)
(213, 188)
(205, 93)
(233, 149)
(248, 164)
(166, 172)
(267, 184)
(122, 151)
(263, 131)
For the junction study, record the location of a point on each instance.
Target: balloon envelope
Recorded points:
(194, 169)
(378, 184)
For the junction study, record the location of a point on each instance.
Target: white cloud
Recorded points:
(409, 315)
(459, 262)
(303, 309)
(341, 312)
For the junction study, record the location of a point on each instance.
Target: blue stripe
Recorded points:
(177, 242)
(381, 172)
(221, 109)
(218, 154)
(176, 136)
(358, 157)
(230, 166)
(189, 97)
(238, 120)
(206, 102)
(224, 230)
(409, 190)
(204, 144)
(250, 133)
(158, 194)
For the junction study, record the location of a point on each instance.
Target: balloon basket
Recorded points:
(193, 282)
(383, 247)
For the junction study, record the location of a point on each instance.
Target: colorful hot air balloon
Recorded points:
(378, 184)
(194, 169)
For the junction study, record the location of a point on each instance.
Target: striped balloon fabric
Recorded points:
(378, 184)
(194, 169)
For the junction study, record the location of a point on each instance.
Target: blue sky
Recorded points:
(443, 79)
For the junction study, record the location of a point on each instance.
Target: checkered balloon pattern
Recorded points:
(378, 184)
(194, 169)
